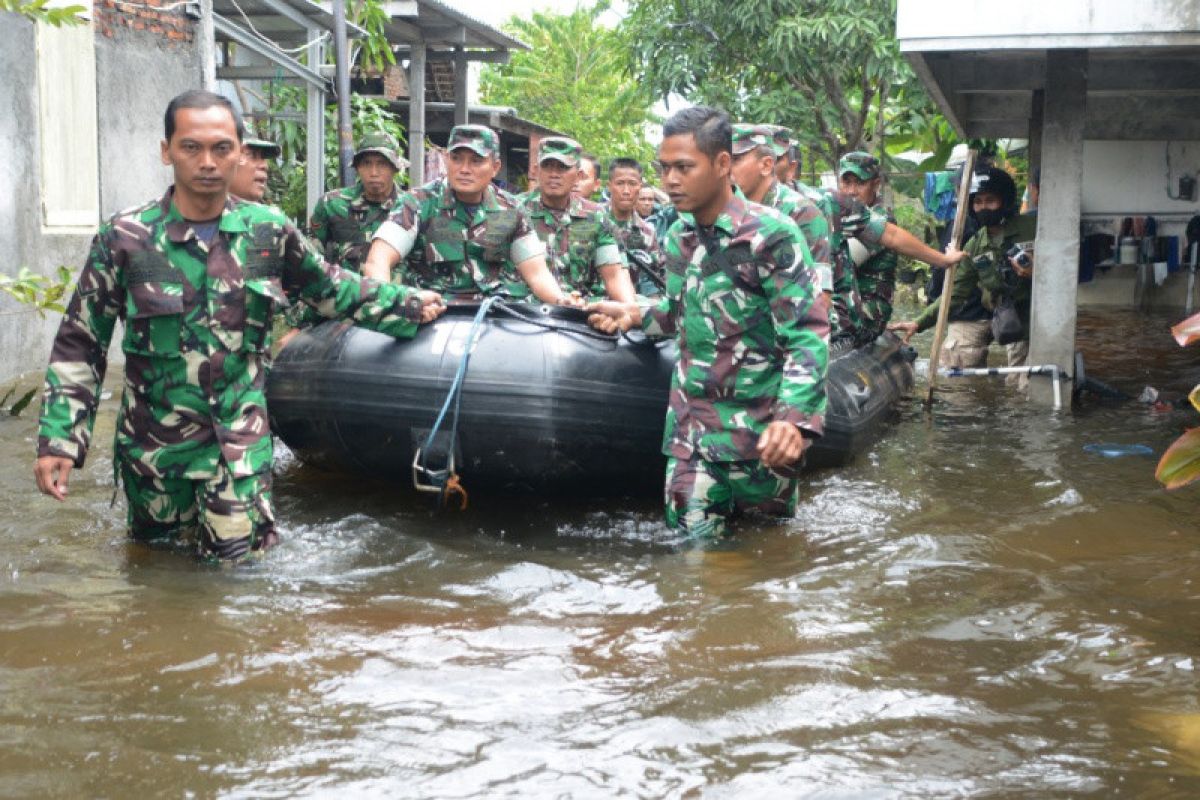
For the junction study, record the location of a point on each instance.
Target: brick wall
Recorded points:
(162, 18)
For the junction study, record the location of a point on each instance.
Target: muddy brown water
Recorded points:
(976, 608)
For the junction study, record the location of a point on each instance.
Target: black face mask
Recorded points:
(990, 216)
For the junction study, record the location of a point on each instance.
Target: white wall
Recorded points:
(1130, 178)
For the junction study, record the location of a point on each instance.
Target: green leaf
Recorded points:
(1180, 465)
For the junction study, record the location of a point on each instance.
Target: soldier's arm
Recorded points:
(815, 227)
(611, 266)
(336, 293)
(318, 223)
(900, 241)
(529, 255)
(78, 362)
(393, 240)
(801, 320)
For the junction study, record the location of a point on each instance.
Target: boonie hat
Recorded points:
(269, 149)
(561, 149)
(385, 145)
(747, 136)
(864, 165)
(479, 139)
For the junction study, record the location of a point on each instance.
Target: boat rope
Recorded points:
(446, 482)
(582, 330)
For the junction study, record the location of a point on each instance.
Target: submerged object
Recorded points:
(1113, 450)
(547, 403)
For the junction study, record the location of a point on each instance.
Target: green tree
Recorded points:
(40, 11)
(829, 69)
(576, 78)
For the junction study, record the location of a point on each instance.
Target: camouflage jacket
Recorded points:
(578, 242)
(197, 335)
(636, 238)
(752, 328)
(811, 220)
(454, 248)
(876, 280)
(847, 218)
(344, 221)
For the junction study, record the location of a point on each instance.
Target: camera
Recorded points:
(1020, 254)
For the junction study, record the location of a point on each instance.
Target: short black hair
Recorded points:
(710, 126)
(624, 163)
(793, 154)
(594, 161)
(200, 99)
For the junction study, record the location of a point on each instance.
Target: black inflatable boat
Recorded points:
(546, 403)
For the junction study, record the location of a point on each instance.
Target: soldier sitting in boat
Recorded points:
(581, 244)
(459, 236)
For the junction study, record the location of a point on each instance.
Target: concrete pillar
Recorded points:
(416, 115)
(1056, 266)
(315, 139)
(461, 65)
(208, 56)
(1036, 120)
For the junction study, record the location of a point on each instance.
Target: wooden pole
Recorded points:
(960, 219)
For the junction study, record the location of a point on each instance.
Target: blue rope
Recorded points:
(455, 394)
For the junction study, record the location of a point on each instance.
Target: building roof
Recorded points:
(983, 68)
(439, 24)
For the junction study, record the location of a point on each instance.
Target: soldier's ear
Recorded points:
(166, 153)
(724, 163)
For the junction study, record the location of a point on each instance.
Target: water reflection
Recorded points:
(977, 608)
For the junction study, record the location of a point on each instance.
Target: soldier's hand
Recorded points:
(906, 329)
(952, 256)
(52, 473)
(609, 316)
(781, 444)
(432, 306)
(572, 300)
(287, 337)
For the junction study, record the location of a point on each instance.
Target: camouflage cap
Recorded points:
(747, 136)
(479, 139)
(864, 165)
(781, 139)
(268, 149)
(561, 149)
(385, 145)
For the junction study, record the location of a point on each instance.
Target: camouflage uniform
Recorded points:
(580, 238)
(875, 266)
(193, 443)
(753, 333)
(344, 221)
(847, 218)
(637, 241)
(457, 249)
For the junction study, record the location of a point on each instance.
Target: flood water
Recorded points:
(978, 608)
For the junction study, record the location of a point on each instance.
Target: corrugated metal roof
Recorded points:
(439, 23)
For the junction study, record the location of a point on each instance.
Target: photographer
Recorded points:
(990, 284)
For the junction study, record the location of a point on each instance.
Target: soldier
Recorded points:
(754, 159)
(589, 176)
(645, 201)
(748, 391)
(860, 177)
(197, 278)
(787, 156)
(581, 245)
(458, 236)
(250, 180)
(634, 235)
(344, 220)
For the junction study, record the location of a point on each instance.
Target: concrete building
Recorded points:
(1107, 94)
(80, 133)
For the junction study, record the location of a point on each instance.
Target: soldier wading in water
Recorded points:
(748, 392)
(198, 277)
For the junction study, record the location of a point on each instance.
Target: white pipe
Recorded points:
(1044, 369)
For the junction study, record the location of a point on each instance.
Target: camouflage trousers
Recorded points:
(702, 496)
(227, 517)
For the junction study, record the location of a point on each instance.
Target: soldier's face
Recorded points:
(645, 202)
(586, 183)
(470, 173)
(691, 179)
(556, 179)
(864, 192)
(624, 183)
(785, 169)
(377, 175)
(250, 179)
(204, 151)
(753, 172)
